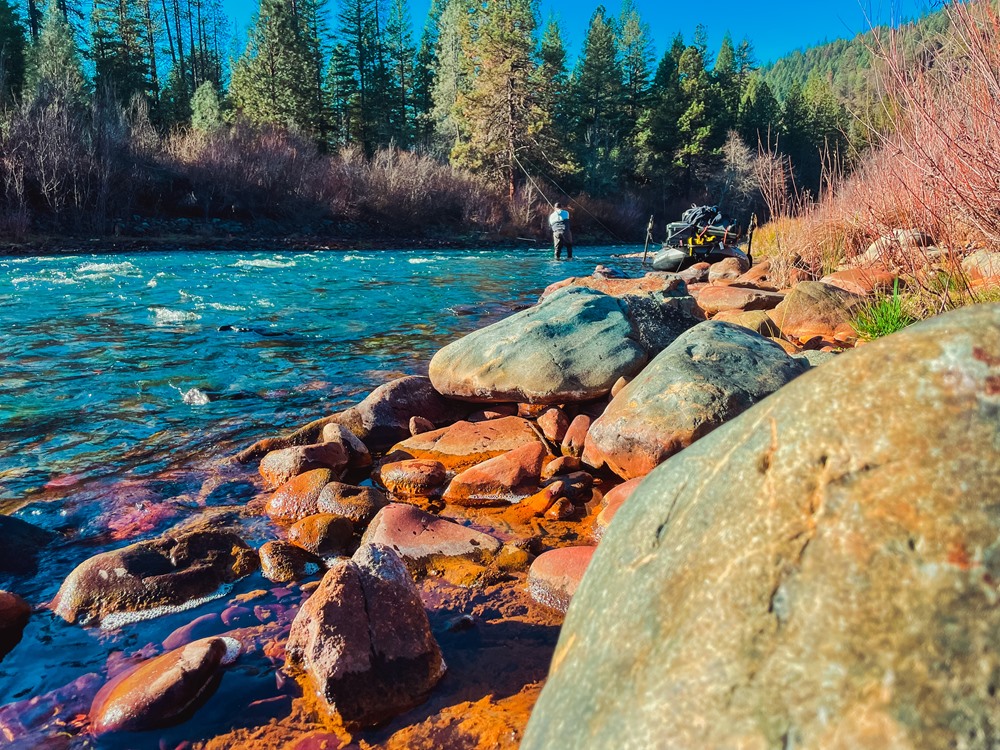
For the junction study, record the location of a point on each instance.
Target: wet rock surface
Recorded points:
(165, 572)
(299, 497)
(357, 504)
(283, 562)
(504, 479)
(839, 553)
(278, 467)
(22, 542)
(14, 615)
(419, 537)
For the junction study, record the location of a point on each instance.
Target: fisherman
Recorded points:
(562, 237)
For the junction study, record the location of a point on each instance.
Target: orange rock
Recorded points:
(715, 299)
(466, 444)
(619, 384)
(554, 424)
(812, 309)
(613, 502)
(413, 477)
(759, 276)
(663, 284)
(561, 465)
(505, 479)
(298, 497)
(419, 425)
(788, 346)
(418, 537)
(322, 534)
(554, 576)
(728, 268)
(863, 281)
(277, 467)
(572, 444)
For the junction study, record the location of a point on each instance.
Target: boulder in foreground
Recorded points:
(817, 572)
(364, 640)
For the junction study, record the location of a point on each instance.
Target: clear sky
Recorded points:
(774, 28)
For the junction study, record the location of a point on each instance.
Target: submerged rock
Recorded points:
(708, 376)
(364, 640)
(166, 572)
(817, 572)
(164, 690)
(14, 614)
(20, 546)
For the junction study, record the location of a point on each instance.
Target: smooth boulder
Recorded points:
(169, 571)
(505, 479)
(819, 572)
(705, 378)
(364, 640)
(465, 444)
(420, 538)
(572, 346)
(813, 308)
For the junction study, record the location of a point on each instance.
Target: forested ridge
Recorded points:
(113, 109)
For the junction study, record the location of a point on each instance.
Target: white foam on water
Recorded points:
(233, 650)
(416, 261)
(264, 303)
(226, 308)
(119, 619)
(106, 270)
(167, 317)
(264, 263)
(193, 396)
(352, 257)
(55, 278)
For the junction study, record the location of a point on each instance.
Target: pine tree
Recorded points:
(795, 139)
(451, 75)
(727, 79)
(400, 55)
(599, 127)
(551, 84)
(499, 115)
(759, 115)
(275, 79)
(12, 50)
(637, 56)
(657, 139)
(53, 63)
(701, 127)
(423, 75)
(206, 112)
(361, 57)
(119, 48)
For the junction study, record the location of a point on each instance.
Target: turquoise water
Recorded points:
(124, 380)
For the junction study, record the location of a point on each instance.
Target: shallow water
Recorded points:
(123, 379)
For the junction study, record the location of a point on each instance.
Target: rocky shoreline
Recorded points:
(424, 545)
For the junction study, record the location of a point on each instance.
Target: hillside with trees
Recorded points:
(115, 110)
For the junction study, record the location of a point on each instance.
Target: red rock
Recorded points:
(323, 534)
(414, 478)
(200, 627)
(419, 425)
(278, 467)
(554, 424)
(715, 299)
(862, 281)
(728, 268)
(696, 274)
(505, 479)
(283, 562)
(561, 510)
(418, 537)
(651, 283)
(358, 456)
(982, 266)
(466, 444)
(788, 346)
(364, 640)
(160, 691)
(759, 276)
(555, 575)
(357, 504)
(532, 411)
(576, 435)
(561, 465)
(613, 502)
(542, 500)
(14, 615)
(298, 497)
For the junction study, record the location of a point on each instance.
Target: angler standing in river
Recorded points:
(562, 237)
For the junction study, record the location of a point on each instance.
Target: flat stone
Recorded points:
(715, 299)
(708, 376)
(759, 276)
(661, 285)
(814, 569)
(299, 497)
(505, 479)
(555, 575)
(561, 465)
(420, 538)
(465, 444)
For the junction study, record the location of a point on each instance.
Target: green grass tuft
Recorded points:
(883, 316)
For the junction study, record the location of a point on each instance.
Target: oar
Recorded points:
(649, 236)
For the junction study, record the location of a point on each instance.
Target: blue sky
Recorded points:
(774, 28)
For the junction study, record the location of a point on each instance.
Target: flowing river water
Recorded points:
(124, 380)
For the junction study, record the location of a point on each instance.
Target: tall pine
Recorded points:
(12, 50)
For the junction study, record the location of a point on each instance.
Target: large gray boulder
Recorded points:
(818, 573)
(572, 346)
(706, 377)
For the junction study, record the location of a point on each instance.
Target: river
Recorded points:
(123, 380)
